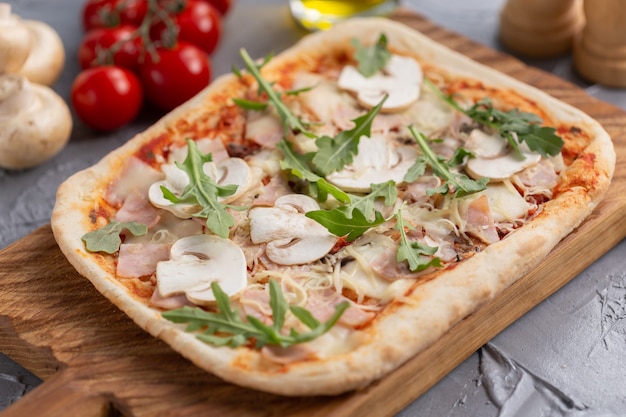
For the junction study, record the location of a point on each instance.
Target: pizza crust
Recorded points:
(404, 328)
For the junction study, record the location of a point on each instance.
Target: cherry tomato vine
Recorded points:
(162, 48)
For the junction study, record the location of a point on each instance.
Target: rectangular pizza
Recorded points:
(308, 223)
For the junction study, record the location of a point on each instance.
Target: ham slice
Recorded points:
(140, 259)
(137, 208)
(480, 221)
(322, 305)
(136, 177)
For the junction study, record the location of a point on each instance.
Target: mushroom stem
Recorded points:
(16, 95)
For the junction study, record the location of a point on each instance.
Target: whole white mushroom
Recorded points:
(35, 123)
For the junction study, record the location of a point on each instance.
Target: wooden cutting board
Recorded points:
(96, 362)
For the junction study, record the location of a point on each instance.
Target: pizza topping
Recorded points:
(140, 259)
(107, 239)
(372, 58)
(291, 238)
(377, 161)
(400, 80)
(289, 120)
(417, 254)
(456, 183)
(196, 262)
(515, 126)
(201, 193)
(480, 222)
(502, 167)
(227, 328)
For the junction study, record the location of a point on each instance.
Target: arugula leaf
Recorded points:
(371, 59)
(298, 165)
(334, 153)
(460, 184)
(365, 203)
(204, 192)
(249, 104)
(514, 125)
(227, 328)
(290, 121)
(417, 254)
(341, 222)
(107, 239)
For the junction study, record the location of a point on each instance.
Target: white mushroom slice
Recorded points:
(377, 161)
(291, 237)
(485, 145)
(501, 168)
(175, 180)
(36, 123)
(230, 171)
(15, 41)
(196, 262)
(401, 79)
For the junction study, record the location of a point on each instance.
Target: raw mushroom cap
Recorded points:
(36, 123)
(198, 260)
(291, 238)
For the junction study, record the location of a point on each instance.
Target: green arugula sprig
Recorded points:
(334, 154)
(416, 254)
(515, 126)
(290, 121)
(204, 192)
(227, 328)
(359, 214)
(457, 183)
(371, 59)
(107, 239)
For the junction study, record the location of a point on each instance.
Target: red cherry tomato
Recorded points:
(106, 98)
(174, 75)
(105, 46)
(198, 23)
(223, 6)
(111, 13)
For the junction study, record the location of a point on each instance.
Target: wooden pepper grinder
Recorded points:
(600, 50)
(540, 28)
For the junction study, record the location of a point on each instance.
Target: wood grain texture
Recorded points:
(97, 362)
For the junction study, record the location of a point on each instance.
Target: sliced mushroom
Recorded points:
(377, 161)
(400, 79)
(502, 167)
(291, 237)
(196, 262)
(230, 171)
(15, 41)
(35, 123)
(485, 145)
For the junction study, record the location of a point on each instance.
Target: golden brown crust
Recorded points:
(431, 307)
